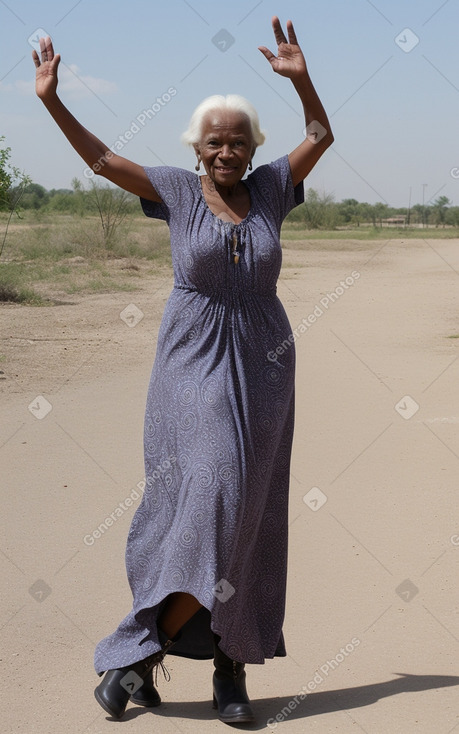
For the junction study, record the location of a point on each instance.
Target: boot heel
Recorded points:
(113, 696)
(229, 689)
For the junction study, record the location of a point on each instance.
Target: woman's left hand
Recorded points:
(289, 61)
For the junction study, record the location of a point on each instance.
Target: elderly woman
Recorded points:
(207, 549)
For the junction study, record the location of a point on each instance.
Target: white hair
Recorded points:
(233, 102)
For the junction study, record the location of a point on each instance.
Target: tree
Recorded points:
(34, 196)
(379, 212)
(452, 216)
(439, 209)
(364, 213)
(9, 174)
(417, 214)
(79, 198)
(112, 205)
(320, 210)
(349, 210)
(5, 176)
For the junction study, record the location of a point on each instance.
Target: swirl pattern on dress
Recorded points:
(213, 518)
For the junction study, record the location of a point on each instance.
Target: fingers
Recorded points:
(291, 33)
(46, 49)
(278, 32)
(42, 43)
(47, 53)
(49, 48)
(266, 53)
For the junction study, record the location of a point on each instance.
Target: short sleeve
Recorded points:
(172, 184)
(274, 181)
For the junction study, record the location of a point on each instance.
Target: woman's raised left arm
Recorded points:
(290, 63)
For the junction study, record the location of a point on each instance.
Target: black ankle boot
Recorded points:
(146, 695)
(119, 685)
(230, 693)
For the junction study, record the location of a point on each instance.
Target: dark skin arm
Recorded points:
(121, 171)
(290, 63)
(129, 175)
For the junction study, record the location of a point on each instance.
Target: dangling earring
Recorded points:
(250, 165)
(198, 164)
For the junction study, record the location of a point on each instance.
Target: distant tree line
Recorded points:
(18, 192)
(76, 200)
(319, 211)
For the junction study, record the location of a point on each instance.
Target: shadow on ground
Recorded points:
(314, 704)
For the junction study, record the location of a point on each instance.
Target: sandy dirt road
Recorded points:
(372, 621)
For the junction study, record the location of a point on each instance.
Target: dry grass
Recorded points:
(48, 258)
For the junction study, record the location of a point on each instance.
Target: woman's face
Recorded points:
(226, 146)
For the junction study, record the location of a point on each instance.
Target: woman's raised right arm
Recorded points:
(122, 172)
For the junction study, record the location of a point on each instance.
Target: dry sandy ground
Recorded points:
(372, 624)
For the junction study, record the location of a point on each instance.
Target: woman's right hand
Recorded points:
(46, 75)
(121, 171)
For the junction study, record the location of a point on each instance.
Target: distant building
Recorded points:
(399, 219)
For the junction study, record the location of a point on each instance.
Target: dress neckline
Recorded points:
(247, 183)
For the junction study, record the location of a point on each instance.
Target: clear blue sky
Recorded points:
(394, 113)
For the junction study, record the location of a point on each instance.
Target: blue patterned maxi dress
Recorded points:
(218, 431)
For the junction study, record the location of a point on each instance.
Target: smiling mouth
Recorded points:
(225, 169)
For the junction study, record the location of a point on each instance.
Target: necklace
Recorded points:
(234, 243)
(234, 250)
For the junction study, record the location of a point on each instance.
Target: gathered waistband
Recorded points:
(230, 290)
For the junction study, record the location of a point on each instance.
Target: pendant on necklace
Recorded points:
(235, 252)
